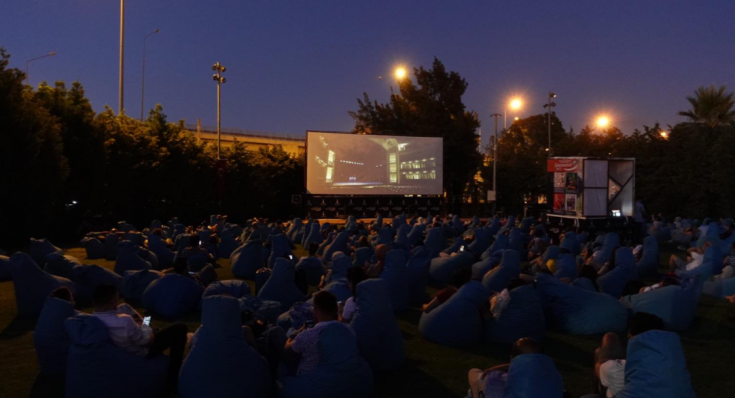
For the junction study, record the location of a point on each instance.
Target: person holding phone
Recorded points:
(128, 331)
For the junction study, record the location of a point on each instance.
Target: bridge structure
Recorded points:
(252, 139)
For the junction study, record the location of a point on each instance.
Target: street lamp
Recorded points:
(514, 104)
(51, 54)
(121, 88)
(219, 69)
(602, 121)
(400, 73)
(664, 134)
(550, 104)
(142, 85)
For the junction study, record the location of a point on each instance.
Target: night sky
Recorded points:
(294, 66)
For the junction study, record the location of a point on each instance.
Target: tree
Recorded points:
(430, 107)
(711, 106)
(32, 163)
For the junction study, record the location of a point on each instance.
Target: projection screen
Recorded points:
(352, 164)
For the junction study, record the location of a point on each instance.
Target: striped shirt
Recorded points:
(125, 332)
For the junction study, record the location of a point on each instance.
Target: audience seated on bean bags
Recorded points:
(164, 255)
(656, 367)
(442, 268)
(172, 296)
(96, 367)
(61, 265)
(281, 286)
(227, 244)
(50, 338)
(523, 317)
(578, 311)
(247, 259)
(533, 375)
(220, 362)
(648, 264)
(418, 275)
(111, 241)
(87, 277)
(5, 274)
(498, 278)
(40, 248)
(435, 241)
(711, 265)
(395, 274)
(675, 305)
(94, 248)
(128, 258)
(457, 322)
(341, 371)
(378, 335)
(135, 283)
(33, 285)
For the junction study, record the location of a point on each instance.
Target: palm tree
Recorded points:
(711, 106)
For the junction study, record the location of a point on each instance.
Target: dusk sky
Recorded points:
(293, 66)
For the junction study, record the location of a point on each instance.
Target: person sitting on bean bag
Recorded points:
(156, 244)
(459, 279)
(324, 361)
(459, 321)
(248, 258)
(50, 338)
(312, 266)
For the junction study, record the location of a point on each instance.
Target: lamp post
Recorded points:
(142, 86)
(51, 54)
(219, 69)
(121, 88)
(495, 161)
(550, 104)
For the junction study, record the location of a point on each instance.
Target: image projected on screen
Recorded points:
(352, 164)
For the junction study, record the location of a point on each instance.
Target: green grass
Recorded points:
(431, 370)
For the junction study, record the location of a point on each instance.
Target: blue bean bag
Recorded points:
(296, 227)
(313, 268)
(88, 277)
(61, 265)
(327, 241)
(566, 266)
(676, 305)
(533, 375)
(281, 286)
(339, 267)
(385, 236)
(172, 296)
(498, 278)
(418, 275)
(363, 255)
(50, 338)
(656, 367)
(515, 242)
(584, 283)
(134, 237)
(181, 242)
(378, 335)
(401, 241)
(164, 255)
(297, 316)
(338, 245)
(501, 243)
(493, 228)
(313, 236)
(111, 241)
(5, 274)
(613, 282)
(94, 248)
(40, 248)
(220, 353)
(610, 242)
(416, 233)
(443, 268)
(231, 287)
(341, 371)
(247, 259)
(648, 264)
(578, 311)
(720, 287)
(711, 265)
(482, 267)
(280, 247)
(395, 274)
(135, 282)
(457, 321)
(435, 241)
(32, 285)
(128, 258)
(340, 289)
(455, 246)
(523, 317)
(227, 244)
(481, 242)
(570, 243)
(96, 367)
(509, 223)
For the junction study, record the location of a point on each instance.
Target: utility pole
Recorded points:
(495, 162)
(548, 107)
(121, 88)
(142, 85)
(219, 69)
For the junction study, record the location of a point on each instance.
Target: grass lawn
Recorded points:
(431, 370)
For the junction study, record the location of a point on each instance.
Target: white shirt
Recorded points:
(612, 376)
(696, 261)
(349, 310)
(125, 332)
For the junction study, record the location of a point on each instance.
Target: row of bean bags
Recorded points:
(579, 311)
(378, 336)
(676, 305)
(281, 285)
(96, 367)
(523, 317)
(172, 296)
(457, 322)
(247, 259)
(221, 363)
(443, 268)
(341, 372)
(533, 375)
(656, 367)
(418, 275)
(395, 274)
(32, 284)
(50, 338)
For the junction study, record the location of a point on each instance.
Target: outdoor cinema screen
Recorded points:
(352, 164)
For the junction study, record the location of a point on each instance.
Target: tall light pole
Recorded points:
(548, 107)
(142, 88)
(51, 54)
(219, 69)
(495, 161)
(121, 88)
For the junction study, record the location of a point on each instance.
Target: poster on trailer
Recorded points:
(558, 203)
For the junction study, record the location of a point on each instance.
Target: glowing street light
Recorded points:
(664, 134)
(400, 73)
(602, 122)
(514, 104)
